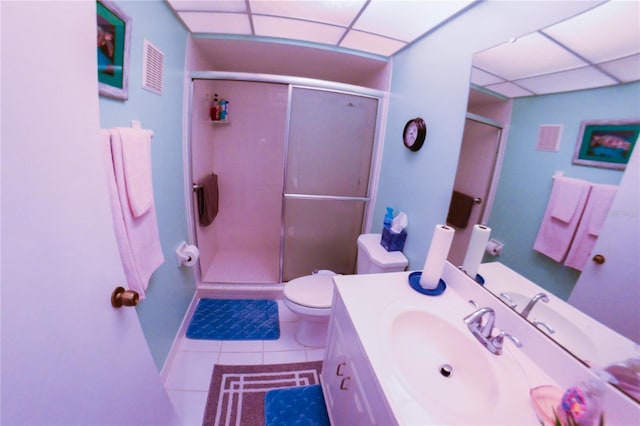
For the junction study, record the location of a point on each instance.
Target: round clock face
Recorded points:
(414, 134)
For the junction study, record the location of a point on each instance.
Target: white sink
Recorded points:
(566, 332)
(422, 343)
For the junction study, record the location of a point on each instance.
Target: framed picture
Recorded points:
(606, 144)
(114, 40)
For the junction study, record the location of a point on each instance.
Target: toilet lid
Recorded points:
(313, 291)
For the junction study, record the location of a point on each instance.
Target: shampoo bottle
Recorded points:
(214, 111)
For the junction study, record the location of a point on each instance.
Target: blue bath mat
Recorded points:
(235, 319)
(301, 405)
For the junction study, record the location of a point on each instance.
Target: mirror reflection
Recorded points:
(522, 132)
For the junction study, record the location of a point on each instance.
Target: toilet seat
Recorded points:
(312, 291)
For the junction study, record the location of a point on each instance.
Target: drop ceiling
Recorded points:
(599, 47)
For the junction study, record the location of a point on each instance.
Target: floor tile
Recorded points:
(192, 371)
(286, 341)
(284, 357)
(239, 358)
(242, 346)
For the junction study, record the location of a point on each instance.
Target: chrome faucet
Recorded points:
(527, 309)
(482, 330)
(475, 324)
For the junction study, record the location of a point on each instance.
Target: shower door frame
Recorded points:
(291, 82)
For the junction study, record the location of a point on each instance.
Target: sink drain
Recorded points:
(446, 370)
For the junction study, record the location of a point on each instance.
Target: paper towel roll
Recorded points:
(188, 255)
(475, 249)
(436, 257)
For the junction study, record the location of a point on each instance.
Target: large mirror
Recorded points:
(529, 98)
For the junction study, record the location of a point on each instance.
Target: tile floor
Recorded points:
(188, 378)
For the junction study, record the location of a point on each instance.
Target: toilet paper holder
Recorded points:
(187, 255)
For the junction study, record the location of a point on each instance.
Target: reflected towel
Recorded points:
(460, 210)
(137, 237)
(208, 198)
(555, 235)
(595, 214)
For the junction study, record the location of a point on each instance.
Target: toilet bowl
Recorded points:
(311, 296)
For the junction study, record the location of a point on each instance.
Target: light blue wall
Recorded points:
(170, 289)
(525, 182)
(430, 79)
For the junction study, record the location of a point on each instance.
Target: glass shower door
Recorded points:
(331, 139)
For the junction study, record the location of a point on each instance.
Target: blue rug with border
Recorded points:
(235, 319)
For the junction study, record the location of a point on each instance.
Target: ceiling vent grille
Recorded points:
(549, 137)
(152, 68)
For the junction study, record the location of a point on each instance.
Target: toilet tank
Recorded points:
(373, 258)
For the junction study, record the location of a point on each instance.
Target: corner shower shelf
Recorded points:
(218, 122)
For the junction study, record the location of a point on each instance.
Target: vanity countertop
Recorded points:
(371, 300)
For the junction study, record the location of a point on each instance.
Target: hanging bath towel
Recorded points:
(208, 197)
(595, 214)
(561, 218)
(460, 210)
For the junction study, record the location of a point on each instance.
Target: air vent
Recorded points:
(152, 68)
(549, 137)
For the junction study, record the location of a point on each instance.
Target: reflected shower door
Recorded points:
(331, 139)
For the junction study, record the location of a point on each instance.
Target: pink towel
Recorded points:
(595, 214)
(569, 195)
(138, 238)
(136, 158)
(555, 235)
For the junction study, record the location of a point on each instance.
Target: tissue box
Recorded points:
(392, 241)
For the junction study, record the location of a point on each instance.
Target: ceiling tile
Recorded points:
(327, 11)
(509, 90)
(610, 31)
(267, 26)
(625, 70)
(576, 79)
(208, 5)
(217, 23)
(406, 20)
(371, 43)
(482, 78)
(530, 55)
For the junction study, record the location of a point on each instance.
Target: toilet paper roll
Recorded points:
(475, 249)
(189, 255)
(494, 248)
(436, 257)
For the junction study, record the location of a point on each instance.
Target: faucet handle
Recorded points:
(542, 325)
(498, 341)
(509, 300)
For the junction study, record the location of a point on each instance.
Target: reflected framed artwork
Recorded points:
(606, 144)
(113, 43)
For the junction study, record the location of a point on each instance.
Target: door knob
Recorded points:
(121, 297)
(599, 259)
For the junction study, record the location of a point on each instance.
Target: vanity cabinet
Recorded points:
(351, 390)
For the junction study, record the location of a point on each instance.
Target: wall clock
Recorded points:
(414, 133)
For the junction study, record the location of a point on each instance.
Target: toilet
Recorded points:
(311, 296)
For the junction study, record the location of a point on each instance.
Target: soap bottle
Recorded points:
(582, 403)
(214, 111)
(224, 115)
(388, 217)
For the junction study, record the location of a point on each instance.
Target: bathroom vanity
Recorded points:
(395, 356)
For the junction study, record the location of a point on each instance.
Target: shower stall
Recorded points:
(294, 167)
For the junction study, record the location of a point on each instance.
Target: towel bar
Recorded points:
(477, 200)
(196, 187)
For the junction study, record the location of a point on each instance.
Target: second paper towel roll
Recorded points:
(475, 249)
(436, 257)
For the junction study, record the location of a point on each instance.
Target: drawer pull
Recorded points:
(338, 370)
(344, 384)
